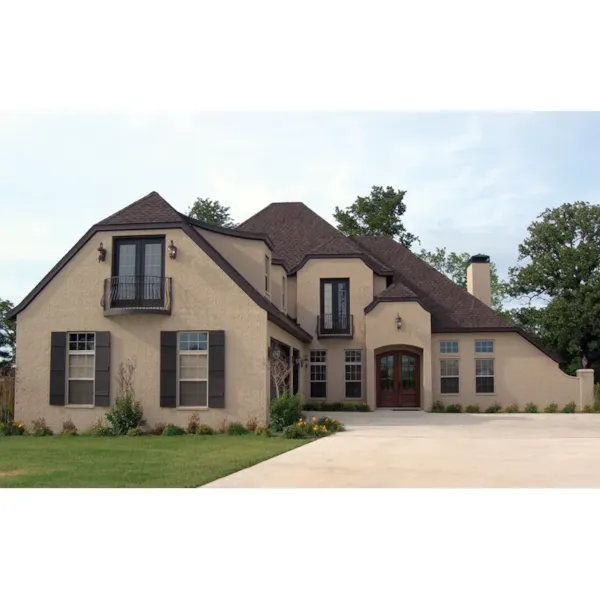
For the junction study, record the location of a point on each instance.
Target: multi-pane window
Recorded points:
(353, 368)
(449, 376)
(267, 274)
(318, 374)
(81, 361)
(192, 368)
(484, 346)
(449, 347)
(484, 375)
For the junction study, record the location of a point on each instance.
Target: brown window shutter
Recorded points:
(168, 369)
(216, 369)
(102, 375)
(58, 362)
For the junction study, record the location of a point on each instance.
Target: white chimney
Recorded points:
(479, 278)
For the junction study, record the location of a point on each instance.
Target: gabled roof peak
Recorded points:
(152, 208)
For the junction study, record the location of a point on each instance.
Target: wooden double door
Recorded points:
(398, 380)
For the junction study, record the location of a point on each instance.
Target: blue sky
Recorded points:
(474, 181)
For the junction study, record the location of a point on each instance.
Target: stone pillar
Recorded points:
(586, 387)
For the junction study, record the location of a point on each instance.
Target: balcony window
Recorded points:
(335, 318)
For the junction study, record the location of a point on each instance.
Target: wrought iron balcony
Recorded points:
(335, 326)
(129, 294)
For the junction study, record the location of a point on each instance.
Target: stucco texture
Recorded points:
(203, 298)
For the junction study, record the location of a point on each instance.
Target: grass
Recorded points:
(150, 462)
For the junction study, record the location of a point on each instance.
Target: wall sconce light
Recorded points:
(301, 361)
(584, 362)
(172, 248)
(398, 322)
(101, 253)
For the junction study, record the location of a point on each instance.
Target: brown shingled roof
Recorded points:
(152, 208)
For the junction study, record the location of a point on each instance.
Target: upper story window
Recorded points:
(449, 347)
(335, 306)
(267, 274)
(138, 272)
(283, 292)
(484, 346)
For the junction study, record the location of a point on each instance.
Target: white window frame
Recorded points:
(485, 341)
(442, 351)
(311, 380)
(283, 292)
(450, 376)
(492, 376)
(193, 353)
(68, 370)
(346, 380)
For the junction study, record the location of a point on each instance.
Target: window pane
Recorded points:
(449, 347)
(318, 389)
(193, 366)
(449, 385)
(81, 392)
(81, 366)
(317, 356)
(484, 346)
(484, 367)
(353, 372)
(353, 389)
(193, 393)
(484, 385)
(318, 373)
(408, 372)
(353, 356)
(449, 367)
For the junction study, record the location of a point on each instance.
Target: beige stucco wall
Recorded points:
(308, 307)
(522, 373)
(277, 274)
(292, 302)
(479, 282)
(379, 284)
(415, 334)
(207, 300)
(247, 256)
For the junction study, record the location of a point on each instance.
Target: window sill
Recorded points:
(78, 406)
(450, 395)
(485, 394)
(193, 408)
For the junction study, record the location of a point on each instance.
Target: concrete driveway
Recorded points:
(419, 450)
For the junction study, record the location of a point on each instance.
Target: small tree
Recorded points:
(280, 373)
(8, 336)
(127, 413)
(211, 211)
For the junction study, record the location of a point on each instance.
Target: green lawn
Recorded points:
(178, 461)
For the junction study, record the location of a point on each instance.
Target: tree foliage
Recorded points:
(211, 211)
(454, 266)
(8, 335)
(559, 268)
(379, 213)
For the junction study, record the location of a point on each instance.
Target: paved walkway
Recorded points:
(399, 449)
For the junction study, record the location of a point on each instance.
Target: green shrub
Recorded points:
(252, 424)
(236, 429)
(494, 408)
(157, 429)
(99, 429)
(171, 429)
(39, 427)
(453, 408)
(438, 407)
(530, 407)
(570, 408)
(205, 430)
(312, 406)
(262, 431)
(126, 414)
(349, 406)
(513, 408)
(472, 408)
(193, 423)
(551, 408)
(136, 432)
(597, 397)
(332, 425)
(68, 427)
(12, 428)
(315, 428)
(285, 410)
(588, 409)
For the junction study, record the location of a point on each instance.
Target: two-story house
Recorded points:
(204, 311)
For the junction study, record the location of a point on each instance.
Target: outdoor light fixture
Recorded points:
(172, 250)
(398, 322)
(301, 362)
(101, 252)
(584, 362)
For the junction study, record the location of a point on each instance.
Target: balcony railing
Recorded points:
(136, 294)
(335, 325)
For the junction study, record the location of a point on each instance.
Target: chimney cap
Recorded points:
(479, 258)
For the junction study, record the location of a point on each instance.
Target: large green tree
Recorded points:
(7, 336)
(379, 213)
(558, 278)
(211, 211)
(454, 266)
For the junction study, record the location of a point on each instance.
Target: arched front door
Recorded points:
(398, 380)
